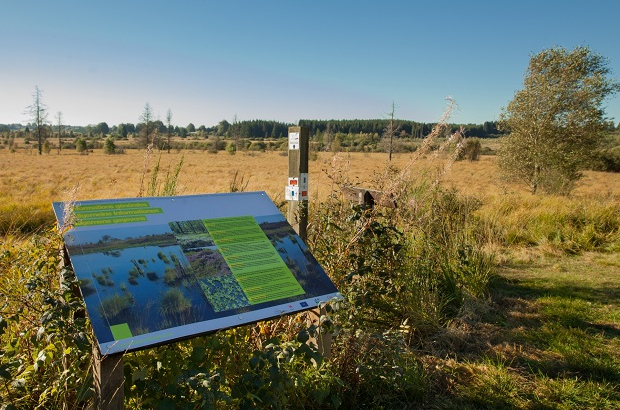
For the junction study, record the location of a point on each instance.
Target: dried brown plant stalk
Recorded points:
(68, 217)
(147, 155)
(399, 184)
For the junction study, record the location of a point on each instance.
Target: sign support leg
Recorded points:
(108, 381)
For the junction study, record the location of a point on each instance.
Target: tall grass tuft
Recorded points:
(24, 218)
(170, 181)
(147, 156)
(552, 224)
(405, 272)
(238, 182)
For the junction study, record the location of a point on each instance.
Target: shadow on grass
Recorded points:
(535, 288)
(561, 331)
(547, 340)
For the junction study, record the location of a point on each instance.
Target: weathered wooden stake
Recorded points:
(108, 381)
(323, 340)
(297, 215)
(297, 189)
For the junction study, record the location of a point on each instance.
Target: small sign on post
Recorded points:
(293, 139)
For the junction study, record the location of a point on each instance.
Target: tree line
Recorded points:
(407, 128)
(259, 129)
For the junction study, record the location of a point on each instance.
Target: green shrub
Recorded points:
(607, 160)
(80, 146)
(45, 346)
(109, 147)
(231, 148)
(405, 273)
(472, 150)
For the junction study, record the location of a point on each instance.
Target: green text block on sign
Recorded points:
(121, 331)
(255, 263)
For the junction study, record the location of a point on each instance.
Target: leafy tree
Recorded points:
(557, 120)
(222, 128)
(122, 130)
(126, 129)
(109, 147)
(190, 128)
(38, 115)
(80, 146)
(159, 126)
(101, 128)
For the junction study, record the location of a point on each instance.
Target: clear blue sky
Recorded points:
(285, 60)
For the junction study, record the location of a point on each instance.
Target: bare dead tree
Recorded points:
(147, 129)
(169, 127)
(391, 130)
(59, 129)
(328, 137)
(38, 116)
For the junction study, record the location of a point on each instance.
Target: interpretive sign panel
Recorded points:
(154, 270)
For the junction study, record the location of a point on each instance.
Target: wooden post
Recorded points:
(108, 381)
(297, 215)
(297, 188)
(323, 341)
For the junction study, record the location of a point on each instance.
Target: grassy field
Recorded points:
(549, 340)
(30, 182)
(547, 334)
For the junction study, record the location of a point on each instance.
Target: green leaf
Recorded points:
(198, 354)
(166, 404)
(139, 374)
(303, 336)
(4, 371)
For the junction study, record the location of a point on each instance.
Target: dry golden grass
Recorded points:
(29, 182)
(33, 178)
